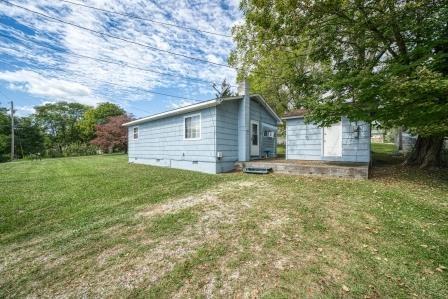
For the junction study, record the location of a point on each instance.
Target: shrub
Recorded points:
(79, 149)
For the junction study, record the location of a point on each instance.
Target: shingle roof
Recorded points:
(295, 113)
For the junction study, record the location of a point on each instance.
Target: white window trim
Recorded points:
(138, 133)
(200, 126)
(258, 136)
(271, 128)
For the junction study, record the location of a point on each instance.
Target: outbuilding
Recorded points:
(209, 136)
(344, 141)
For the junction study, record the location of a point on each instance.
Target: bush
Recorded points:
(79, 149)
(52, 153)
(72, 150)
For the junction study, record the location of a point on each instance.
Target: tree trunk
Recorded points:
(427, 152)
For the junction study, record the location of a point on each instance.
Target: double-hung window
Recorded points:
(192, 127)
(135, 133)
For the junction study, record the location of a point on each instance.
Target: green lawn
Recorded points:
(98, 226)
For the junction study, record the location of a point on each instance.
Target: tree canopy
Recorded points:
(383, 61)
(5, 130)
(62, 129)
(96, 116)
(60, 122)
(112, 135)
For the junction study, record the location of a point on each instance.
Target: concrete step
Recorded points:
(319, 168)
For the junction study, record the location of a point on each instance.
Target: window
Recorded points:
(192, 126)
(269, 134)
(135, 133)
(254, 134)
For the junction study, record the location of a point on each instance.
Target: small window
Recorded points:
(135, 133)
(269, 134)
(254, 134)
(192, 125)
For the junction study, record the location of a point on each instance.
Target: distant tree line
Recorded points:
(64, 129)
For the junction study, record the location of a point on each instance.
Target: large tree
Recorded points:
(383, 61)
(98, 116)
(5, 134)
(112, 136)
(29, 137)
(59, 121)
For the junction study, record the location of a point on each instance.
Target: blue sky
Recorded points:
(40, 59)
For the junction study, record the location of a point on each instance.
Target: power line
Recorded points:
(110, 83)
(119, 38)
(107, 82)
(145, 19)
(137, 43)
(109, 61)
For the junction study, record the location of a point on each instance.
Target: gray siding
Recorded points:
(161, 143)
(304, 141)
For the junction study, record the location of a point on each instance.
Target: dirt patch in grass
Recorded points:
(252, 236)
(209, 197)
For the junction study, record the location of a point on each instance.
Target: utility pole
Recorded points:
(12, 131)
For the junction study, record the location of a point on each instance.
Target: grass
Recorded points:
(172, 223)
(98, 226)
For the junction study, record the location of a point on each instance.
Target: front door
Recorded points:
(254, 138)
(332, 140)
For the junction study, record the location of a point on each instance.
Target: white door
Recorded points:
(332, 140)
(254, 138)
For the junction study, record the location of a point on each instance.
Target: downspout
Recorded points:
(244, 125)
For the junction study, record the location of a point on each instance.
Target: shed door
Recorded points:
(254, 138)
(332, 140)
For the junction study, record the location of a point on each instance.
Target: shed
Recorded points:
(208, 136)
(345, 141)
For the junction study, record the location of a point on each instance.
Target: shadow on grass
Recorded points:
(387, 166)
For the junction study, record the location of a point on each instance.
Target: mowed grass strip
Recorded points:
(97, 227)
(53, 195)
(172, 223)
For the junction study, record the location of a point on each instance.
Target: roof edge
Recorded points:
(266, 105)
(292, 117)
(201, 105)
(189, 108)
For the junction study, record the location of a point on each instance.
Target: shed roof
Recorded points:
(202, 105)
(297, 113)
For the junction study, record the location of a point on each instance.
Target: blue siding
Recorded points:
(268, 144)
(161, 143)
(227, 131)
(304, 141)
(259, 113)
(227, 134)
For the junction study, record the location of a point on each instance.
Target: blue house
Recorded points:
(345, 141)
(209, 136)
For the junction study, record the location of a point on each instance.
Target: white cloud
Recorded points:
(36, 84)
(84, 80)
(180, 104)
(23, 110)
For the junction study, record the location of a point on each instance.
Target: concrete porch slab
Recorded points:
(311, 168)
